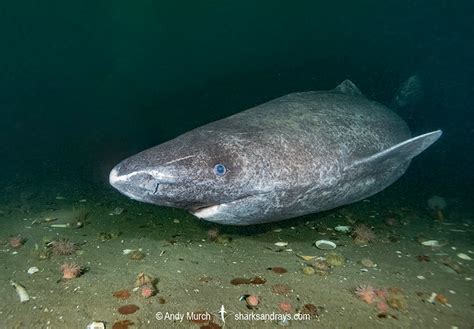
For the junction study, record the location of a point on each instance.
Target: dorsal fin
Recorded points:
(348, 87)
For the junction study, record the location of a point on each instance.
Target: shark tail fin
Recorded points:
(409, 94)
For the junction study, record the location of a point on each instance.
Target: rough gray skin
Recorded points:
(298, 154)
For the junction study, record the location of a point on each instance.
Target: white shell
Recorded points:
(21, 292)
(464, 256)
(343, 228)
(33, 270)
(432, 298)
(118, 211)
(127, 251)
(96, 325)
(431, 243)
(325, 244)
(281, 244)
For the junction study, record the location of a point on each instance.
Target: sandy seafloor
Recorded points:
(194, 273)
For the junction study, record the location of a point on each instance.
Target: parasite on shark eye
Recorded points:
(220, 170)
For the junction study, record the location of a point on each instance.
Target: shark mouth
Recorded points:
(207, 211)
(214, 210)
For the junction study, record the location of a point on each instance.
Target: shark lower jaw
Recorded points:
(207, 212)
(233, 212)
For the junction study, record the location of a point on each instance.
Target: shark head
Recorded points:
(216, 176)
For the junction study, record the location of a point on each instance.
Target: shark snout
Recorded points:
(139, 184)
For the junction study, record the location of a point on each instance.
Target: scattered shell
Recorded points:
(334, 259)
(33, 270)
(421, 277)
(21, 292)
(343, 228)
(281, 244)
(59, 225)
(430, 243)
(306, 258)
(366, 262)
(136, 255)
(117, 211)
(464, 256)
(431, 299)
(308, 270)
(127, 251)
(96, 325)
(277, 230)
(143, 279)
(325, 244)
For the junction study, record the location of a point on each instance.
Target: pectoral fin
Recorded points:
(400, 153)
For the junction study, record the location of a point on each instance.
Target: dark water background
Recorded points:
(87, 83)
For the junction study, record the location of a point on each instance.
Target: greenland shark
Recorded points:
(302, 153)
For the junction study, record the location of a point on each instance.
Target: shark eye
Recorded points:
(220, 170)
